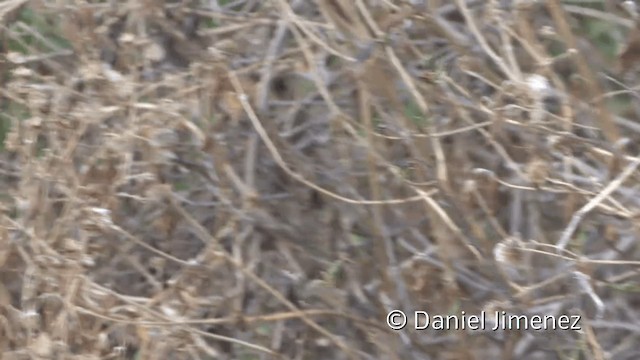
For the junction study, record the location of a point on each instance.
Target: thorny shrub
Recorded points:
(260, 179)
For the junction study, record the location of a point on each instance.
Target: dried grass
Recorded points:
(268, 179)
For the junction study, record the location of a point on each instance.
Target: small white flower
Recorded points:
(507, 251)
(127, 38)
(469, 186)
(111, 74)
(101, 211)
(500, 253)
(537, 83)
(22, 72)
(15, 57)
(103, 214)
(169, 312)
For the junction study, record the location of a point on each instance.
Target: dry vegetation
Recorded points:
(258, 179)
